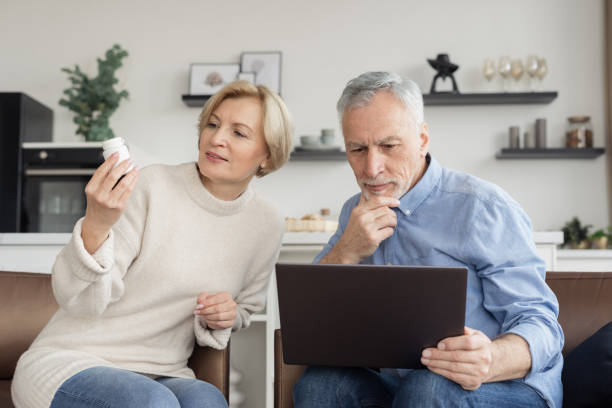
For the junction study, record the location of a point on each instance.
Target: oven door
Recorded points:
(53, 199)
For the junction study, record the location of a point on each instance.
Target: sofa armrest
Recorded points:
(285, 375)
(212, 366)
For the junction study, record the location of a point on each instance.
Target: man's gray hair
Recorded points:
(360, 91)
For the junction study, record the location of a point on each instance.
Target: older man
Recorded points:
(413, 211)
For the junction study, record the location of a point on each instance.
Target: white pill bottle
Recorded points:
(116, 144)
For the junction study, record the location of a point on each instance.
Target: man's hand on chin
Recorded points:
(371, 222)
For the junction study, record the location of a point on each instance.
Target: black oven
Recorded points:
(53, 184)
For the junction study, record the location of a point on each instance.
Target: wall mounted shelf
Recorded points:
(503, 98)
(562, 153)
(195, 101)
(440, 99)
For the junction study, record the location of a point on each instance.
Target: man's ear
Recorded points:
(424, 140)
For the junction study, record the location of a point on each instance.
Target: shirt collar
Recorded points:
(410, 201)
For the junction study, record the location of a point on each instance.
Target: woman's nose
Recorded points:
(218, 137)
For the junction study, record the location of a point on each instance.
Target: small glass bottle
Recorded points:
(579, 132)
(113, 145)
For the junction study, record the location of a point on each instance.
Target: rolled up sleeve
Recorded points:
(515, 292)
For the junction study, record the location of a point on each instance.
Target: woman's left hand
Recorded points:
(218, 310)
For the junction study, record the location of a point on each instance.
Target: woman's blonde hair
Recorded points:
(277, 127)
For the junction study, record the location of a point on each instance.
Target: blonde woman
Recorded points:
(168, 256)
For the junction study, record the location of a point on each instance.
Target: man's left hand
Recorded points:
(466, 359)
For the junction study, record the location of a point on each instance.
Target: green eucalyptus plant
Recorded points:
(93, 100)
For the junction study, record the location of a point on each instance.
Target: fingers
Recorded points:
(113, 176)
(452, 366)
(102, 171)
(472, 341)
(384, 217)
(466, 381)
(455, 356)
(379, 201)
(218, 298)
(126, 185)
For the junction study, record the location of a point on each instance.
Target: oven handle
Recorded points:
(59, 172)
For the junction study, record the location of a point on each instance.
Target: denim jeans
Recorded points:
(106, 387)
(363, 387)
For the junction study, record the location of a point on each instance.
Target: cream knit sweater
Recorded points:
(130, 305)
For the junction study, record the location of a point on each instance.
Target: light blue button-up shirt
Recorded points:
(451, 218)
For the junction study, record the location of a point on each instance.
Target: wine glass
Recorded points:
(504, 68)
(517, 70)
(532, 68)
(488, 69)
(542, 70)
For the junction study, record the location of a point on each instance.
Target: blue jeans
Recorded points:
(106, 387)
(363, 387)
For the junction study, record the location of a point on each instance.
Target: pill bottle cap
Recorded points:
(112, 143)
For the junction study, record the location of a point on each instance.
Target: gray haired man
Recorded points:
(413, 211)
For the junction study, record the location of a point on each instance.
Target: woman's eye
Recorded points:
(239, 134)
(211, 125)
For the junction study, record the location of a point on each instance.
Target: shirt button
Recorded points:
(407, 212)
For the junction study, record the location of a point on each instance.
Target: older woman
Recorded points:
(182, 254)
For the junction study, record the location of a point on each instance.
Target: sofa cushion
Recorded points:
(587, 374)
(27, 304)
(5, 394)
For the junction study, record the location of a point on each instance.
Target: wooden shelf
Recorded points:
(563, 153)
(317, 155)
(504, 98)
(195, 101)
(440, 99)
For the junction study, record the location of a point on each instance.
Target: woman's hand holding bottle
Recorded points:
(107, 195)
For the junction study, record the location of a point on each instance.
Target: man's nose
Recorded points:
(374, 164)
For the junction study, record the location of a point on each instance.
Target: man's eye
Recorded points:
(357, 150)
(388, 146)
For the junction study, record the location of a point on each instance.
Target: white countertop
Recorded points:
(290, 238)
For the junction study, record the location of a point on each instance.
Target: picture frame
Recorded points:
(266, 65)
(247, 76)
(207, 79)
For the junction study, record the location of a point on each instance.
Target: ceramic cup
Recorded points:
(308, 140)
(327, 136)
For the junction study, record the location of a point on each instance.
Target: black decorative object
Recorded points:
(445, 69)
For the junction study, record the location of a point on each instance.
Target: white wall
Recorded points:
(324, 44)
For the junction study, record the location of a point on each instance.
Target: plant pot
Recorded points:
(599, 243)
(584, 244)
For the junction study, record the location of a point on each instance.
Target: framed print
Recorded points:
(247, 76)
(207, 79)
(266, 65)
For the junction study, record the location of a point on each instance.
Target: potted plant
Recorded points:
(93, 100)
(600, 239)
(575, 235)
